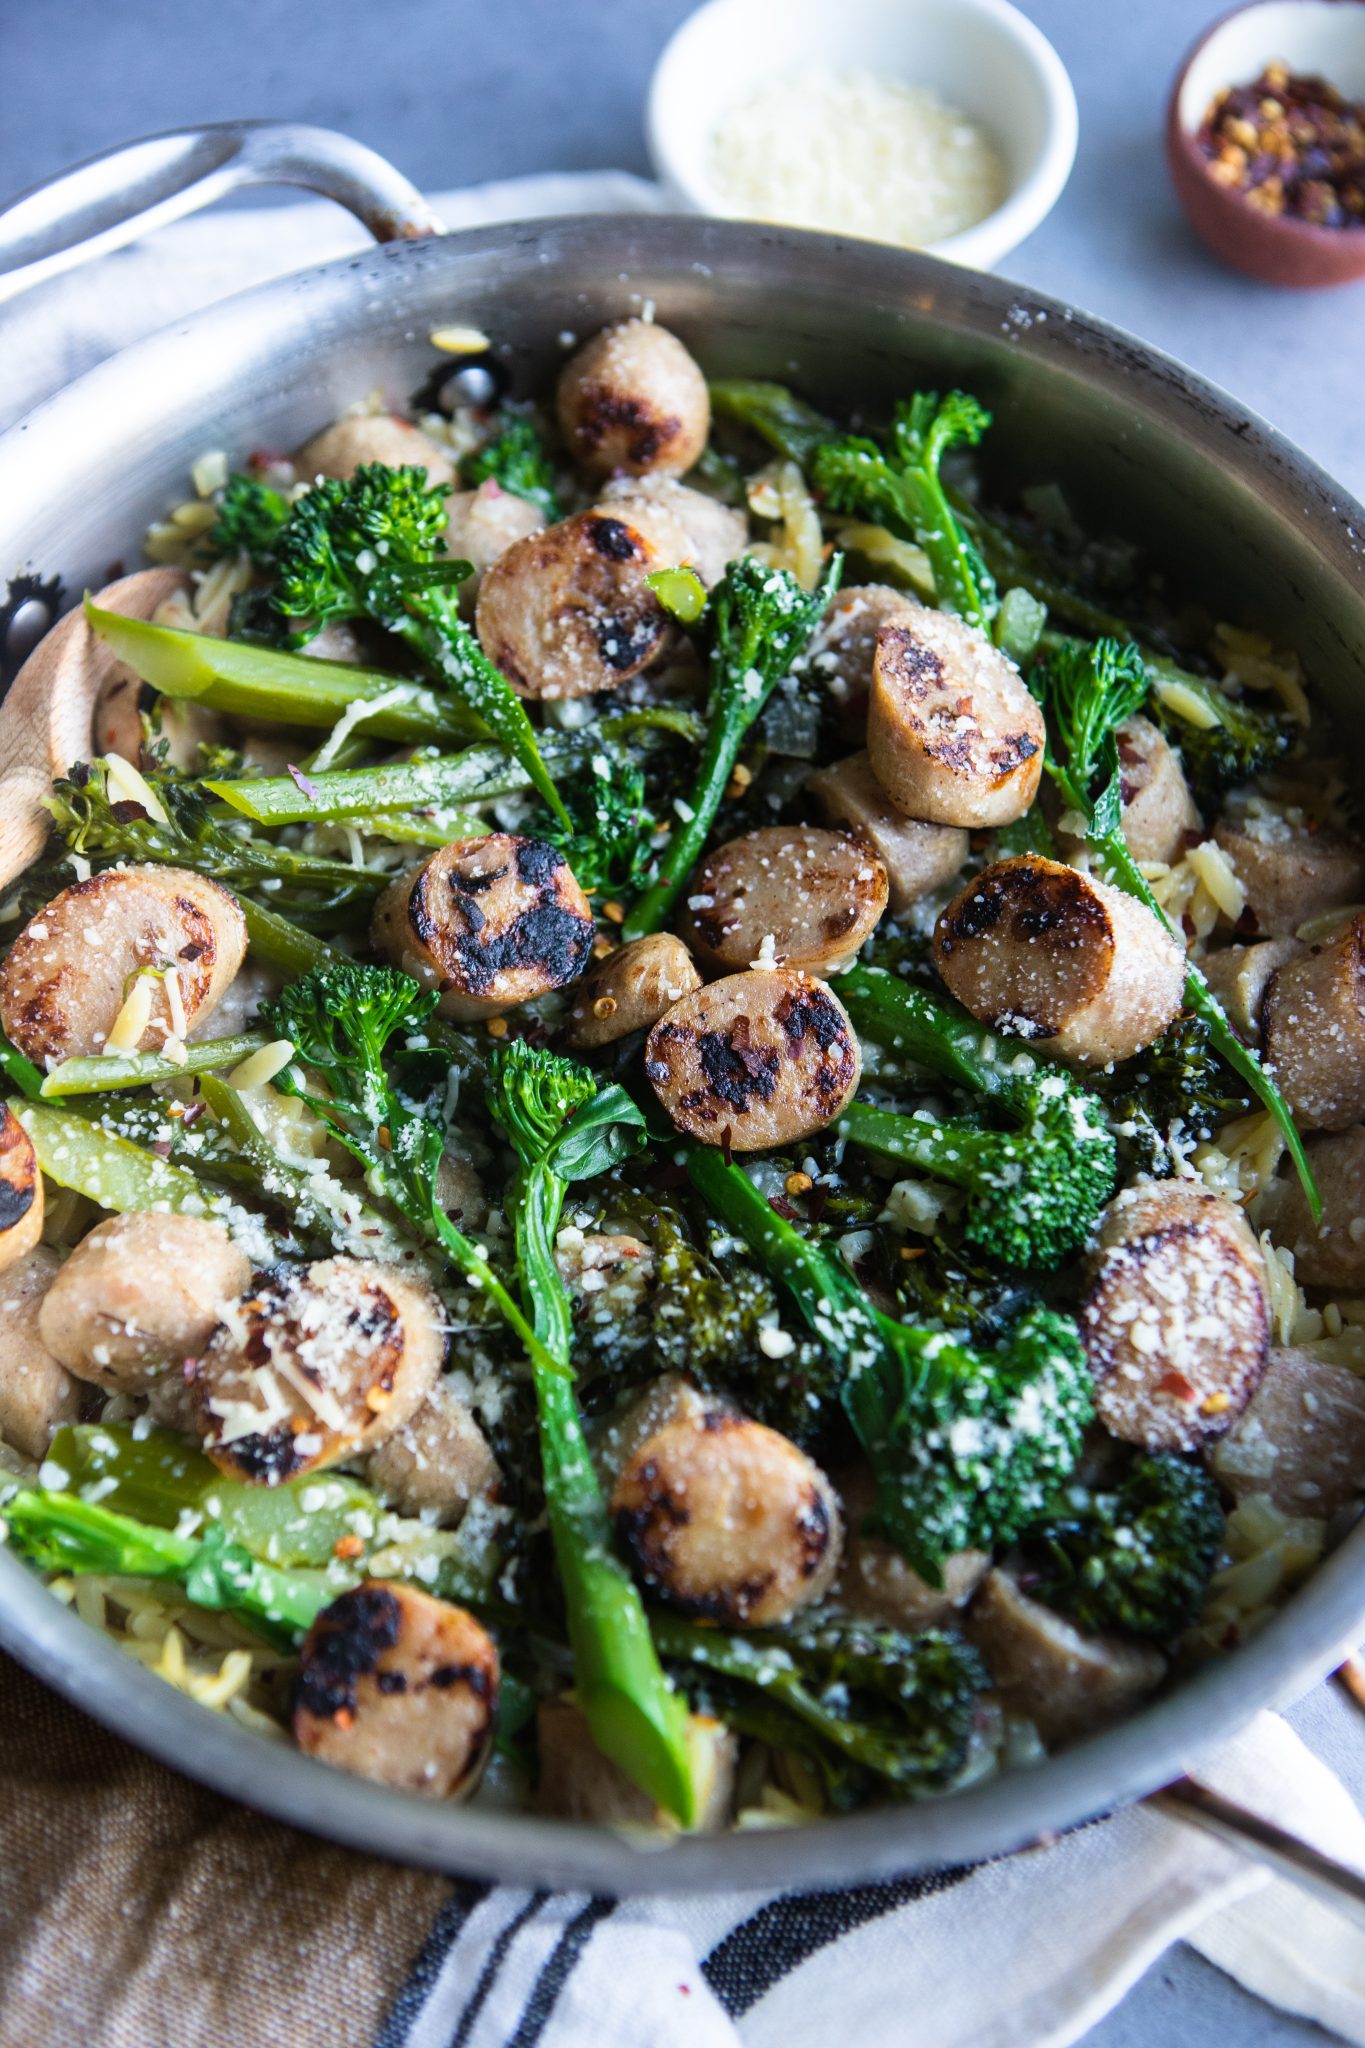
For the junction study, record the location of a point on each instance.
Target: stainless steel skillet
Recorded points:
(1233, 513)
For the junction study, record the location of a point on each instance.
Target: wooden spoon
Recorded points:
(47, 719)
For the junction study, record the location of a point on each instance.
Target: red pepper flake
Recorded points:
(303, 782)
(347, 1547)
(782, 1207)
(192, 1111)
(162, 1148)
(817, 1201)
(1177, 1386)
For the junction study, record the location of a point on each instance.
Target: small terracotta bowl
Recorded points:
(1325, 37)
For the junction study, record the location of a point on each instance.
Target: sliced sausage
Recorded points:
(37, 1393)
(141, 1293)
(577, 1782)
(1289, 872)
(339, 450)
(634, 399)
(952, 731)
(727, 1520)
(1240, 975)
(21, 1190)
(1302, 1440)
(490, 922)
(181, 728)
(317, 1363)
(670, 1398)
(918, 857)
(1041, 951)
(1176, 1326)
(568, 611)
(1067, 1684)
(630, 990)
(437, 1462)
(399, 1687)
(682, 525)
(757, 1059)
(1158, 809)
(1330, 1253)
(1313, 1028)
(483, 524)
(69, 972)
(843, 648)
(875, 1580)
(799, 896)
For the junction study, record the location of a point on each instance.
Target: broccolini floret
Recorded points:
(1235, 748)
(1176, 1091)
(516, 460)
(373, 548)
(1137, 1556)
(1033, 1191)
(250, 515)
(964, 1444)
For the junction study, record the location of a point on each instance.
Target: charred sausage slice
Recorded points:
(1330, 1253)
(1175, 1324)
(21, 1191)
(399, 1687)
(1158, 809)
(140, 1294)
(1041, 951)
(37, 1394)
(918, 857)
(483, 524)
(1065, 1683)
(952, 732)
(1240, 975)
(630, 990)
(634, 399)
(795, 894)
(1313, 1026)
(490, 922)
(680, 524)
(1302, 1440)
(1290, 873)
(843, 649)
(68, 974)
(317, 1363)
(437, 1462)
(754, 1060)
(876, 1581)
(728, 1520)
(568, 611)
(339, 450)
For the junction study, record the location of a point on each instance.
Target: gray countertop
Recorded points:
(457, 93)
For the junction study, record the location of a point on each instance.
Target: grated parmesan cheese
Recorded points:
(855, 154)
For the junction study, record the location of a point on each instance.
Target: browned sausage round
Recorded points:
(399, 1687)
(317, 1363)
(1046, 1670)
(634, 399)
(1302, 1439)
(67, 975)
(918, 857)
(1175, 1324)
(1043, 952)
(952, 732)
(21, 1193)
(876, 1581)
(483, 524)
(1158, 809)
(438, 1461)
(568, 611)
(37, 1394)
(1313, 1026)
(757, 1059)
(1330, 1253)
(844, 647)
(727, 1520)
(1240, 975)
(1290, 873)
(339, 450)
(490, 922)
(803, 897)
(680, 524)
(140, 1293)
(630, 990)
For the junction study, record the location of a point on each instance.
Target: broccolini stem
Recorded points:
(22, 1071)
(724, 737)
(944, 1151)
(141, 1069)
(934, 1034)
(272, 938)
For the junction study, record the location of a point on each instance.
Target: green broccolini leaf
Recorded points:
(516, 459)
(1136, 1556)
(775, 414)
(899, 487)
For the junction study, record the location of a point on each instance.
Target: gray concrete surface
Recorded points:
(457, 92)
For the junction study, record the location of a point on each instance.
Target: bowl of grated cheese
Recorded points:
(945, 125)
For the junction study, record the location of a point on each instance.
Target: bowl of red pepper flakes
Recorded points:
(1265, 139)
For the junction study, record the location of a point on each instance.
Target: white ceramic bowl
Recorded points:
(982, 56)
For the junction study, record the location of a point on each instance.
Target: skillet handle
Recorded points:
(1337, 1884)
(125, 193)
